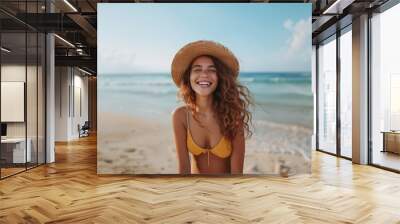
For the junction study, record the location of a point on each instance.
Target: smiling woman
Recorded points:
(213, 123)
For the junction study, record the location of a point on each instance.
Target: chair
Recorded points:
(84, 130)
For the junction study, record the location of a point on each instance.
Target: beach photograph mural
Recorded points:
(204, 89)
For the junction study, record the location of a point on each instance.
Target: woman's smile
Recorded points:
(204, 83)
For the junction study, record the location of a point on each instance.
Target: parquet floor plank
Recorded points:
(70, 191)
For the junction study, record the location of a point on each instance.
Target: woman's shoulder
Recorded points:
(179, 114)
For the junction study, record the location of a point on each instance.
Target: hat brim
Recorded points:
(189, 52)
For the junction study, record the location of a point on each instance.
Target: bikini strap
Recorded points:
(187, 118)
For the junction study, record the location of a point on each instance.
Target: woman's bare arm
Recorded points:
(178, 122)
(238, 149)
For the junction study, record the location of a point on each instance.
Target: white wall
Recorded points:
(79, 110)
(62, 81)
(10, 73)
(13, 101)
(70, 83)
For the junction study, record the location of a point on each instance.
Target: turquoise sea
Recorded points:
(281, 97)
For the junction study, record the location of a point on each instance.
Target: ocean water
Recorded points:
(280, 97)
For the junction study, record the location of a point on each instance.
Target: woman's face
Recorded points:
(203, 76)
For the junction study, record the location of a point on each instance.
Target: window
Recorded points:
(385, 89)
(327, 95)
(346, 92)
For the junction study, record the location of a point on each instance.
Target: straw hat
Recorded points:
(192, 50)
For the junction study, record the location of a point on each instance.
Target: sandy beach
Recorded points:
(139, 145)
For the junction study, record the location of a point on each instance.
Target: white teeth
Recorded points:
(204, 83)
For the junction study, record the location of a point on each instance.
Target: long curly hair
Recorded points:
(231, 100)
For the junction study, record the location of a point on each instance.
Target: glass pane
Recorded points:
(13, 88)
(31, 100)
(346, 93)
(327, 96)
(41, 98)
(32, 90)
(386, 89)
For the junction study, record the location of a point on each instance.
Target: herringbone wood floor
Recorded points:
(69, 191)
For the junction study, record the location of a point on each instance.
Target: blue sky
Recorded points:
(143, 38)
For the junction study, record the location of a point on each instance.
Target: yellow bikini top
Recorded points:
(223, 149)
